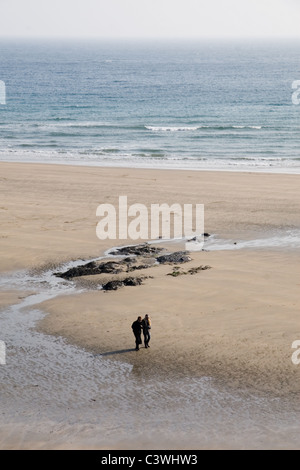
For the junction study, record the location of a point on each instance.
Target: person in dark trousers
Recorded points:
(146, 330)
(137, 330)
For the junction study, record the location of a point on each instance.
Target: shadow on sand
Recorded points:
(113, 353)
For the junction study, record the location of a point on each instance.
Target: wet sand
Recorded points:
(235, 322)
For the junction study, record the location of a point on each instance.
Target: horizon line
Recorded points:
(154, 39)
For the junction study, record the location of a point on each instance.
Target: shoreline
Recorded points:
(273, 171)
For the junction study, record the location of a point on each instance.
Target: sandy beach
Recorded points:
(234, 323)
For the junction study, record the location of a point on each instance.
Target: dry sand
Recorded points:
(235, 322)
(48, 212)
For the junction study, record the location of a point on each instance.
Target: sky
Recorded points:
(167, 19)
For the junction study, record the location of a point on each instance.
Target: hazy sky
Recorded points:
(150, 18)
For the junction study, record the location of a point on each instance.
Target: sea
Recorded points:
(205, 105)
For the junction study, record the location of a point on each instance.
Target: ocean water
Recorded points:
(203, 105)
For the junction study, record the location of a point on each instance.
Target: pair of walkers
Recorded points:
(137, 327)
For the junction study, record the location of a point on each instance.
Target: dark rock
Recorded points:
(133, 281)
(90, 269)
(90, 265)
(192, 239)
(138, 250)
(129, 281)
(111, 267)
(174, 258)
(136, 268)
(129, 260)
(112, 285)
(82, 270)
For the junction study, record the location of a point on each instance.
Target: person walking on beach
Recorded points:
(137, 330)
(146, 330)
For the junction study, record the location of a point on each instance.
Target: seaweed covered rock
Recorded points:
(174, 258)
(112, 285)
(129, 281)
(90, 269)
(133, 281)
(137, 250)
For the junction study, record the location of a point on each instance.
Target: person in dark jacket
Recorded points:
(146, 330)
(137, 329)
